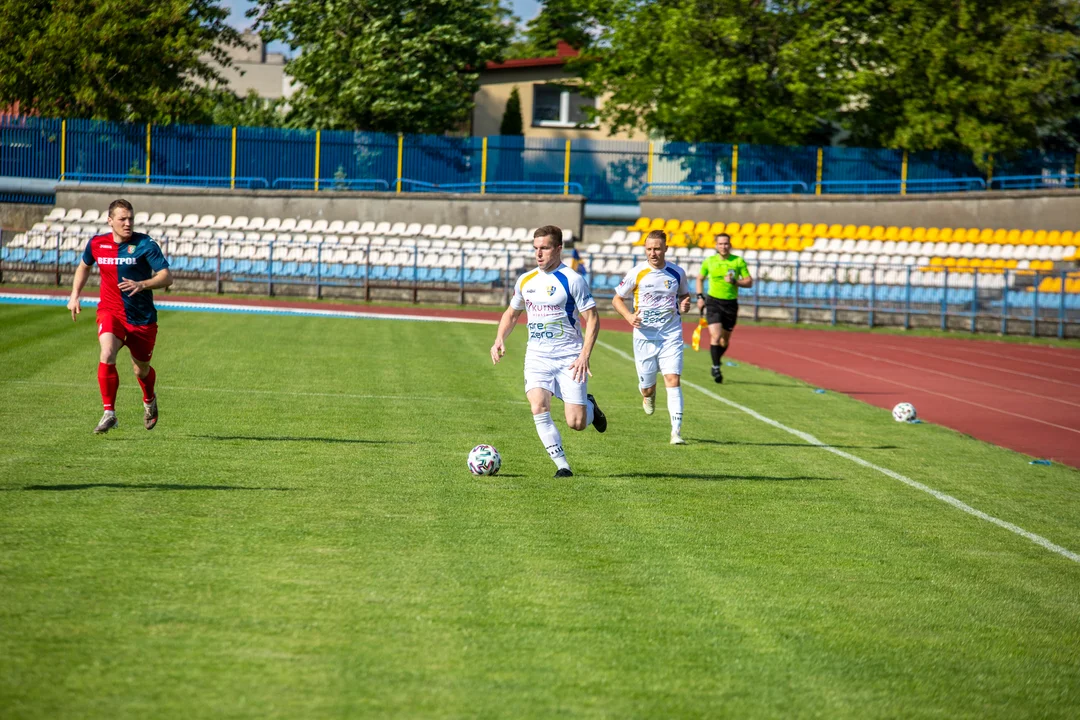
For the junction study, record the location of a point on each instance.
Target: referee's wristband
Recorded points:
(700, 296)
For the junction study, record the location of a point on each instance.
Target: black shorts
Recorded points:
(725, 312)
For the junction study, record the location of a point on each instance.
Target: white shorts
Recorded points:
(663, 353)
(555, 376)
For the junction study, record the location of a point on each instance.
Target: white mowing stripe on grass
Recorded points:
(811, 440)
(27, 299)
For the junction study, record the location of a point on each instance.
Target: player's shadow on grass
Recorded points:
(146, 486)
(720, 477)
(292, 438)
(792, 444)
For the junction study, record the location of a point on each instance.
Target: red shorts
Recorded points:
(139, 339)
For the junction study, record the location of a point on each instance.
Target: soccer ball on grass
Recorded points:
(904, 412)
(484, 460)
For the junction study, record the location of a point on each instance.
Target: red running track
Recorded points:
(1023, 397)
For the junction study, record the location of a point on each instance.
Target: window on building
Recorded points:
(560, 106)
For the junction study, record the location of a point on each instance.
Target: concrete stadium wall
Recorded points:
(565, 211)
(1031, 209)
(21, 216)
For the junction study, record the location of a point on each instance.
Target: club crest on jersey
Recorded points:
(550, 290)
(668, 284)
(131, 249)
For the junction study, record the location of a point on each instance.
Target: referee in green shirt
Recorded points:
(726, 274)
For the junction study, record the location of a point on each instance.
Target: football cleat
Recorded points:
(563, 472)
(150, 414)
(676, 439)
(599, 418)
(107, 423)
(649, 404)
(717, 375)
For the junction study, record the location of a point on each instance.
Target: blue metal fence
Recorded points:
(607, 171)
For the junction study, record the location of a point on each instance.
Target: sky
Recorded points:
(524, 9)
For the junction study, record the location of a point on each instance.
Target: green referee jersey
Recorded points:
(715, 269)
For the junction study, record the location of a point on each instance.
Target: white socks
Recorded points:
(675, 408)
(590, 411)
(549, 435)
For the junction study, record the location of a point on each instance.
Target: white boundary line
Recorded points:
(811, 440)
(26, 299)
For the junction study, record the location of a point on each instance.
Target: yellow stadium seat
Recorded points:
(775, 229)
(918, 234)
(963, 263)
(984, 236)
(671, 226)
(737, 242)
(656, 224)
(892, 233)
(936, 261)
(1067, 237)
(791, 229)
(750, 242)
(677, 240)
(904, 234)
(820, 230)
(749, 229)
(731, 228)
(862, 232)
(806, 243)
(1011, 264)
(1026, 237)
(949, 262)
(848, 232)
(1012, 237)
(933, 234)
(999, 236)
(687, 227)
(805, 229)
(1040, 238)
(877, 232)
(945, 235)
(999, 263)
(1053, 237)
(708, 240)
(1072, 286)
(793, 243)
(642, 225)
(835, 231)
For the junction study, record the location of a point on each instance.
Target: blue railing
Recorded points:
(758, 187)
(244, 183)
(606, 171)
(893, 187)
(1035, 182)
(330, 184)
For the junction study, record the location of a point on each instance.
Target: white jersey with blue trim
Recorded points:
(656, 294)
(553, 302)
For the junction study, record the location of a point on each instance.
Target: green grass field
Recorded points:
(300, 538)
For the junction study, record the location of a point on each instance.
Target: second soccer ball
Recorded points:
(904, 412)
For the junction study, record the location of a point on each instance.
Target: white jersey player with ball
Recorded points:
(660, 294)
(563, 326)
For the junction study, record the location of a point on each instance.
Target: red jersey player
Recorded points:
(131, 266)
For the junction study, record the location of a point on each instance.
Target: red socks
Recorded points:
(108, 381)
(147, 384)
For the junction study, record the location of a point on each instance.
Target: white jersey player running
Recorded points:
(558, 302)
(661, 294)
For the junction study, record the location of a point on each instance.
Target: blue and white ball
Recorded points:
(484, 460)
(904, 412)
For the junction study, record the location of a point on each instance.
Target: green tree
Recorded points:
(122, 60)
(511, 120)
(386, 65)
(251, 110)
(981, 77)
(566, 20)
(718, 70)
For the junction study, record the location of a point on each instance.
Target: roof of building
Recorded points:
(563, 52)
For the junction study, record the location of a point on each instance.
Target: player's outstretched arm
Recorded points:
(506, 326)
(580, 367)
(623, 309)
(82, 274)
(161, 279)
